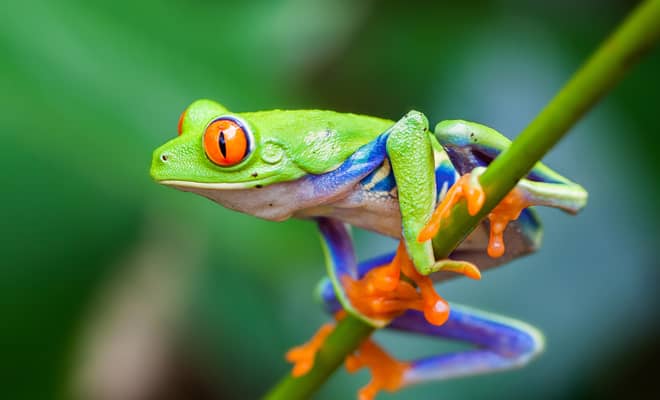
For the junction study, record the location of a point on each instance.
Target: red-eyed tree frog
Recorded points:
(387, 177)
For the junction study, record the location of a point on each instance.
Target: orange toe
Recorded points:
(435, 308)
(303, 356)
(466, 187)
(508, 210)
(462, 267)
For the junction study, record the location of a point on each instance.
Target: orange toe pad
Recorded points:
(303, 356)
(508, 210)
(465, 187)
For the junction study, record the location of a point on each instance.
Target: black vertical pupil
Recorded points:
(223, 145)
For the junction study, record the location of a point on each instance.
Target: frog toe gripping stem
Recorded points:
(382, 294)
(468, 187)
(471, 147)
(302, 357)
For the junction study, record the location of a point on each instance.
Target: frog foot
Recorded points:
(382, 294)
(468, 187)
(508, 210)
(303, 356)
(387, 373)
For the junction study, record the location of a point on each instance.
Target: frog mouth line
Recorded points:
(213, 186)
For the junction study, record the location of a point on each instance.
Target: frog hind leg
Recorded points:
(471, 145)
(500, 343)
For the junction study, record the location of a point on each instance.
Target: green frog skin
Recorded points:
(387, 177)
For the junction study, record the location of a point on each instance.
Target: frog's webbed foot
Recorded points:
(383, 293)
(386, 372)
(468, 188)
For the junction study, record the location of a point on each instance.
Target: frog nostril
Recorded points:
(164, 157)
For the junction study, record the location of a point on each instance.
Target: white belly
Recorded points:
(374, 211)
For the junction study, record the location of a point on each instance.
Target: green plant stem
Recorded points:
(346, 337)
(636, 35)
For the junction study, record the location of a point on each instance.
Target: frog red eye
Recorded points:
(179, 127)
(226, 141)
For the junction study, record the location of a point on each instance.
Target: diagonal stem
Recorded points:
(627, 45)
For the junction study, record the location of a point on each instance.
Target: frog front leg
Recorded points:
(410, 153)
(381, 294)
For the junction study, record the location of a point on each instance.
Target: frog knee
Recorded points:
(462, 133)
(325, 294)
(523, 344)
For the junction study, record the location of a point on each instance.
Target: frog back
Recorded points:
(316, 141)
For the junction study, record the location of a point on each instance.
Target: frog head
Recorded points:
(255, 162)
(220, 150)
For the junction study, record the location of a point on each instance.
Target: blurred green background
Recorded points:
(115, 288)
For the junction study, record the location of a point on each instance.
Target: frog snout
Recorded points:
(159, 164)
